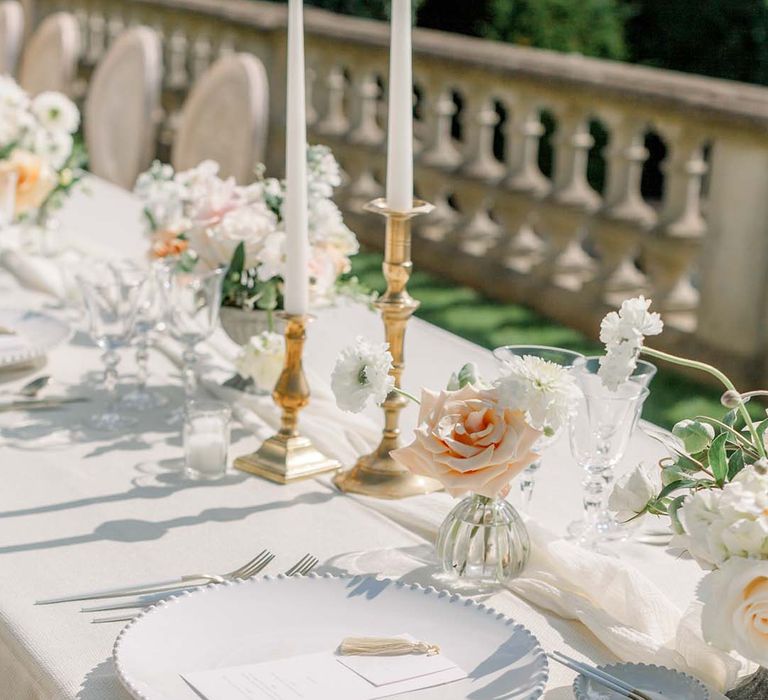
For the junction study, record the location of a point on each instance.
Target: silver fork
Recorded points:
(244, 571)
(300, 568)
(251, 569)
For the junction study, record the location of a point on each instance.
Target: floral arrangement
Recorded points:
(208, 221)
(713, 488)
(473, 436)
(38, 149)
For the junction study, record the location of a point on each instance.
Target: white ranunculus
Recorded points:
(56, 112)
(262, 359)
(545, 391)
(703, 524)
(362, 371)
(272, 257)
(633, 491)
(735, 614)
(732, 522)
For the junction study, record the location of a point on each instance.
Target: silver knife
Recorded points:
(37, 404)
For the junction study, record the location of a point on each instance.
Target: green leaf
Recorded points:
(717, 458)
(676, 485)
(735, 464)
(730, 418)
(238, 261)
(672, 511)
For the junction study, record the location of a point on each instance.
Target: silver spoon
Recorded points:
(33, 388)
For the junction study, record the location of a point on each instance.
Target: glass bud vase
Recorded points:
(483, 542)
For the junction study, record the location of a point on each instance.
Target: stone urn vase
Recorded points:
(754, 687)
(242, 324)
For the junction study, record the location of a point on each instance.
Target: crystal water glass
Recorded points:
(600, 428)
(150, 320)
(192, 307)
(559, 356)
(206, 439)
(110, 305)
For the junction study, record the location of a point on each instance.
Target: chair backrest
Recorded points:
(11, 35)
(122, 107)
(51, 55)
(225, 118)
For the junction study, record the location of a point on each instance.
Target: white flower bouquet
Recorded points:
(39, 160)
(209, 222)
(714, 489)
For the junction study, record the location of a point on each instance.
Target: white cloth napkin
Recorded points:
(52, 276)
(627, 612)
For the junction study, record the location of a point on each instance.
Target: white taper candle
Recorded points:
(295, 207)
(400, 123)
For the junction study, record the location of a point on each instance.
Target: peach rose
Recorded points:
(735, 614)
(35, 179)
(469, 442)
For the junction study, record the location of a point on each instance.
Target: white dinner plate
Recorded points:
(271, 618)
(658, 682)
(34, 334)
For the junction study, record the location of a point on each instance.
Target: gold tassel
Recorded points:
(384, 646)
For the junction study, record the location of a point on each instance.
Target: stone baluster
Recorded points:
(368, 131)
(619, 225)
(115, 27)
(176, 77)
(482, 173)
(201, 56)
(335, 121)
(226, 46)
(96, 38)
(435, 163)
(311, 112)
(674, 243)
(520, 248)
(82, 22)
(565, 209)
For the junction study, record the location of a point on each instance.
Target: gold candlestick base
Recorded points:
(289, 456)
(377, 474)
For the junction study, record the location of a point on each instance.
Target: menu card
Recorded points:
(326, 674)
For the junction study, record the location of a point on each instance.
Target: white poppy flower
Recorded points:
(362, 371)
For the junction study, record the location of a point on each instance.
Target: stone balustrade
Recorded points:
(538, 163)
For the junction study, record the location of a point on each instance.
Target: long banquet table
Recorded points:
(80, 509)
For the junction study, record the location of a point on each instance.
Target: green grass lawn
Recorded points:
(489, 323)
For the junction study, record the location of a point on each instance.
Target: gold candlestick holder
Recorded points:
(289, 456)
(377, 474)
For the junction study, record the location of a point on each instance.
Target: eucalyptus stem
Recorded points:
(709, 369)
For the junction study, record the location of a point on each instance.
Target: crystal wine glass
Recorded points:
(192, 312)
(150, 319)
(560, 356)
(110, 305)
(600, 428)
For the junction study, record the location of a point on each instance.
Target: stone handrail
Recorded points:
(554, 242)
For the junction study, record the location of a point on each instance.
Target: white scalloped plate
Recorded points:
(36, 332)
(271, 618)
(662, 681)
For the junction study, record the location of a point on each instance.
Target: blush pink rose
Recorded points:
(469, 442)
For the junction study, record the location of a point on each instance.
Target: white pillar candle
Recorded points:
(400, 122)
(295, 207)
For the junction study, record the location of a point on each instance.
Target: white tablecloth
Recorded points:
(79, 509)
